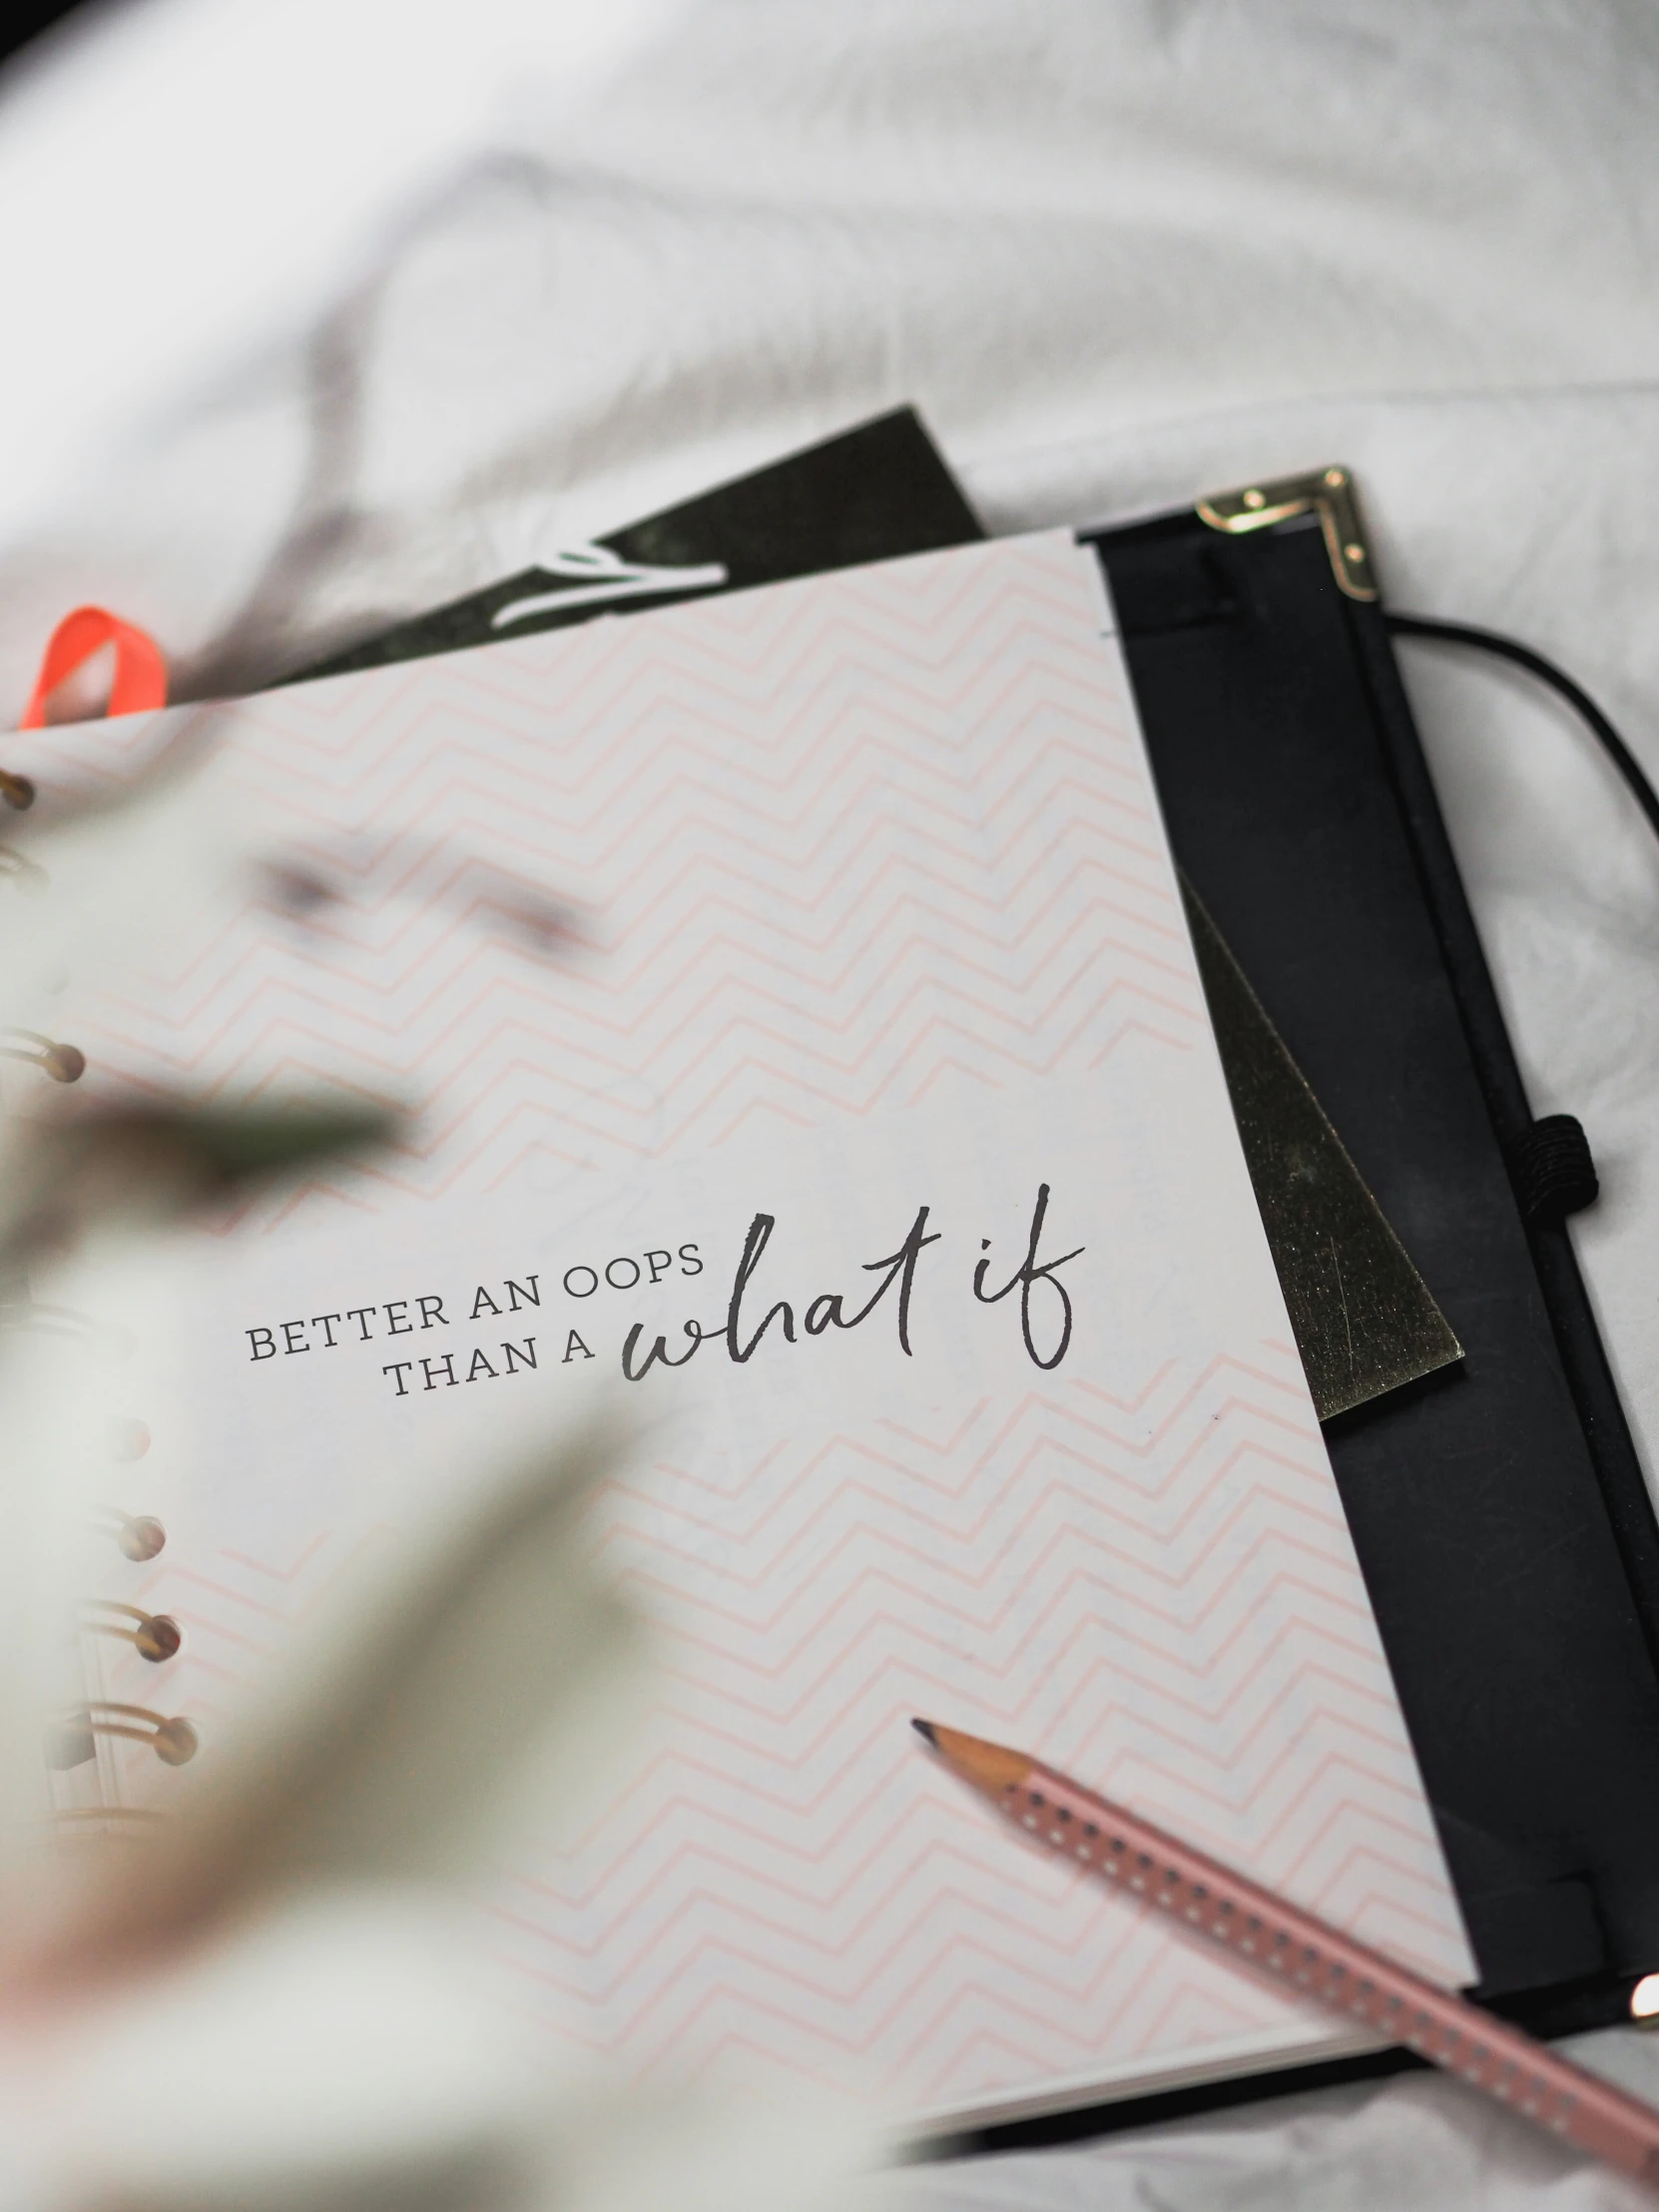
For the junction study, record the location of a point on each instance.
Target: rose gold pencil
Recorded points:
(1308, 1957)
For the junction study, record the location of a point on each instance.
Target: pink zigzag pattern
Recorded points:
(822, 851)
(904, 843)
(784, 1873)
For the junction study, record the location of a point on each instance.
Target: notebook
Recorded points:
(878, 489)
(1365, 1322)
(811, 1047)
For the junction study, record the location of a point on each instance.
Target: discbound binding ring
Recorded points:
(139, 1535)
(73, 1740)
(63, 1063)
(155, 1636)
(126, 1438)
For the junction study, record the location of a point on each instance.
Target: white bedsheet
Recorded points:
(1120, 252)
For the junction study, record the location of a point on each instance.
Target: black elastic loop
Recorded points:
(1552, 1170)
(1551, 1167)
(1508, 649)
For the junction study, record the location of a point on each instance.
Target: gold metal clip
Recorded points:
(1326, 492)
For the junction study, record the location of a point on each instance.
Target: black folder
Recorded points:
(1498, 1507)
(1500, 1510)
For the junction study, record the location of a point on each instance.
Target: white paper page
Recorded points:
(872, 950)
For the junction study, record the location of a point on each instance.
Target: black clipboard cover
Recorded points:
(1500, 1510)
(1498, 1507)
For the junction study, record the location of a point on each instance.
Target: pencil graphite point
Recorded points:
(988, 1767)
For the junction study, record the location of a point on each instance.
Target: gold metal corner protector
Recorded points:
(1326, 492)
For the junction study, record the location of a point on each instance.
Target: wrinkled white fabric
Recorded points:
(1120, 252)
(1417, 2144)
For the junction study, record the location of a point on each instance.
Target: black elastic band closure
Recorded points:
(1508, 649)
(1550, 1164)
(1552, 1171)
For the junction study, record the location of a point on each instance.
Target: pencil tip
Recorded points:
(926, 1731)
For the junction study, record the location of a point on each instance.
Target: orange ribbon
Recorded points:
(139, 667)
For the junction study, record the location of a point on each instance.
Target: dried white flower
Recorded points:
(271, 1997)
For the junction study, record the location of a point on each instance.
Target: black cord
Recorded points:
(1491, 641)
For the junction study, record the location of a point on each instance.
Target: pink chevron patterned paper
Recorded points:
(829, 899)
(904, 841)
